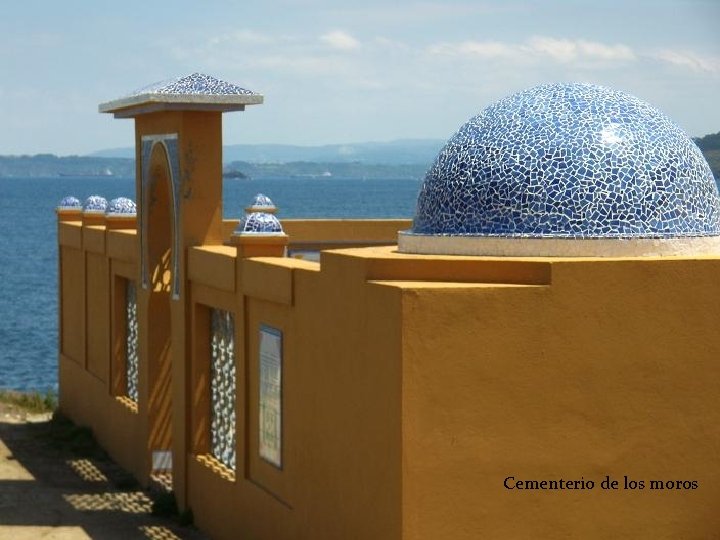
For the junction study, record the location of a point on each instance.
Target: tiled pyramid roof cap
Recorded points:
(191, 92)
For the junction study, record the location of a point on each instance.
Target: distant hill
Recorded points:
(52, 165)
(710, 146)
(713, 158)
(708, 142)
(124, 152)
(312, 169)
(400, 152)
(394, 159)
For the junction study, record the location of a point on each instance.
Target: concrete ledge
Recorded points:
(343, 231)
(120, 221)
(330, 233)
(262, 279)
(461, 270)
(213, 266)
(122, 244)
(387, 264)
(496, 246)
(271, 278)
(94, 239)
(70, 234)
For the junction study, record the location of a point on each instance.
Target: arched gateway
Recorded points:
(179, 197)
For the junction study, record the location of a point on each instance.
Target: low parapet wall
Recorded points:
(318, 234)
(96, 267)
(376, 394)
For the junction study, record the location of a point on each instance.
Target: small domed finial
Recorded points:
(70, 203)
(95, 204)
(121, 206)
(259, 223)
(69, 209)
(261, 203)
(259, 233)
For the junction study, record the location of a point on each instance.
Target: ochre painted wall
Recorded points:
(611, 369)
(413, 386)
(340, 390)
(198, 195)
(85, 390)
(71, 288)
(563, 369)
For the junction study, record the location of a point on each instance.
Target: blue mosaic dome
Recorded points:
(261, 203)
(121, 206)
(195, 83)
(196, 91)
(70, 202)
(259, 222)
(569, 160)
(95, 203)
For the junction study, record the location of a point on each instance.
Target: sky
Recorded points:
(335, 71)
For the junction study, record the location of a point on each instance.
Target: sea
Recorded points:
(28, 247)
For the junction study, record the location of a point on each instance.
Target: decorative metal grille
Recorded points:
(222, 387)
(131, 359)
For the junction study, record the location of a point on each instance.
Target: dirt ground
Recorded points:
(56, 484)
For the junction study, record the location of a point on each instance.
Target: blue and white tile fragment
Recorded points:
(566, 161)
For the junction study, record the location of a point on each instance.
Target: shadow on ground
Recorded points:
(56, 483)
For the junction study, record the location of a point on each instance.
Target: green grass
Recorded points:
(32, 402)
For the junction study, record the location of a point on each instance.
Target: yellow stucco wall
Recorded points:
(610, 369)
(413, 386)
(91, 259)
(326, 488)
(564, 369)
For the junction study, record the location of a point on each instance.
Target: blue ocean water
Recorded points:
(28, 248)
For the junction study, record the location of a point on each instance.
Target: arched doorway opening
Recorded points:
(159, 232)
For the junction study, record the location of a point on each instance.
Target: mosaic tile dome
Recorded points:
(70, 203)
(261, 203)
(259, 223)
(196, 91)
(121, 206)
(195, 83)
(95, 203)
(572, 161)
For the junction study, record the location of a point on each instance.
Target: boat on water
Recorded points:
(105, 172)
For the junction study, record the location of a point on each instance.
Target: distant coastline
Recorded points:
(395, 159)
(109, 168)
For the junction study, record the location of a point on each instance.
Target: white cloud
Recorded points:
(305, 65)
(558, 50)
(386, 44)
(689, 60)
(242, 37)
(484, 49)
(416, 12)
(340, 40)
(601, 51)
(567, 50)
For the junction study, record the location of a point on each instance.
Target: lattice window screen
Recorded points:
(222, 387)
(131, 360)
